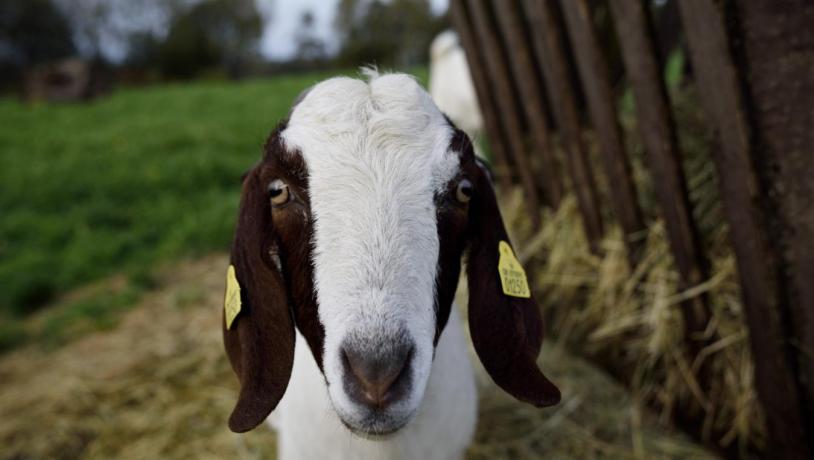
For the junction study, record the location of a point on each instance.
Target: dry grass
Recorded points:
(596, 419)
(159, 386)
(632, 321)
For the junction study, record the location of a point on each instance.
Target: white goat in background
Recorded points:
(451, 84)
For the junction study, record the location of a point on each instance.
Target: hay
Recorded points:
(159, 386)
(631, 321)
(596, 419)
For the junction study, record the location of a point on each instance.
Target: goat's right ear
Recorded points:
(258, 330)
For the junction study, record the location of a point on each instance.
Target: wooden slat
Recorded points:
(550, 54)
(593, 71)
(719, 87)
(659, 137)
(776, 265)
(522, 68)
(778, 50)
(509, 114)
(488, 106)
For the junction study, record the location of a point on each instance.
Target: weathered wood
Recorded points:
(778, 52)
(497, 72)
(720, 89)
(488, 106)
(658, 134)
(593, 72)
(550, 54)
(522, 69)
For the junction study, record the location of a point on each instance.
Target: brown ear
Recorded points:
(507, 331)
(260, 341)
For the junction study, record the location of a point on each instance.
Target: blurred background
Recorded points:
(126, 124)
(653, 160)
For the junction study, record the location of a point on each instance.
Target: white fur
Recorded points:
(377, 152)
(451, 84)
(308, 429)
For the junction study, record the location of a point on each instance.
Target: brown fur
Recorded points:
(507, 331)
(260, 344)
(452, 236)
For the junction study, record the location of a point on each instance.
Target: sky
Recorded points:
(282, 18)
(278, 37)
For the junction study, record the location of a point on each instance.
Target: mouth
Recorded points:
(376, 434)
(376, 426)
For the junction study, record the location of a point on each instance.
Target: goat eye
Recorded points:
(464, 191)
(278, 192)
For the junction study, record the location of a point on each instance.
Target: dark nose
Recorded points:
(377, 376)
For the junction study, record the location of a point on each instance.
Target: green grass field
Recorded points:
(119, 185)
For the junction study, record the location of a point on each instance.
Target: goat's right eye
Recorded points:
(279, 193)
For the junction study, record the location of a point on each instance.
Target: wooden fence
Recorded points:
(753, 67)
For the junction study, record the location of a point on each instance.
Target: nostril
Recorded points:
(376, 379)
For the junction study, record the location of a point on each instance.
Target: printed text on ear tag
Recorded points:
(231, 304)
(512, 276)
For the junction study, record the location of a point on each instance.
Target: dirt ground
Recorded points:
(158, 385)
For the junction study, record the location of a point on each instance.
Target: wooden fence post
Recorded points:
(488, 107)
(655, 123)
(522, 68)
(777, 56)
(500, 81)
(719, 87)
(550, 54)
(593, 72)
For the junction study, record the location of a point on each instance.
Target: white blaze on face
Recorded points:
(377, 153)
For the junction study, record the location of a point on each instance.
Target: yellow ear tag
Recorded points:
(512, 276)
(231, 304)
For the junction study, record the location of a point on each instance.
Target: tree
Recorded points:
(393, 33)
(102, 28)
(309, 46)
(214, 32)
(32, 32)
(135, 32)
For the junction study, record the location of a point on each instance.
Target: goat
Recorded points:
(451, 84)
(344, 265)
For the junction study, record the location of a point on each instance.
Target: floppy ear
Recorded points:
(507, 331)
(259, 340)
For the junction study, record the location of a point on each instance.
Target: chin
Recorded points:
(374, 434)
(376, 426)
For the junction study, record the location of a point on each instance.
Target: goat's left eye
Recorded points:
(464, 191)
(279, 193)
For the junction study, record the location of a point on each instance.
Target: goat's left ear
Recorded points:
(258, 329)
(504, 320)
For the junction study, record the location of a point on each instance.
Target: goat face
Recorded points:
(352, 230)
